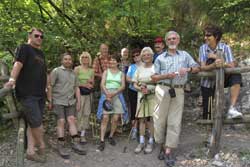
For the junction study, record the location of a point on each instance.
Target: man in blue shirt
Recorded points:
(210, 61)
(171, 69)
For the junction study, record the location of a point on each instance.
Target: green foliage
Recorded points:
(79, 25)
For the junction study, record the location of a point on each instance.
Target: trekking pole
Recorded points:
(136, 116)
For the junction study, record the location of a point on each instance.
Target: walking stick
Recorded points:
(137, 113)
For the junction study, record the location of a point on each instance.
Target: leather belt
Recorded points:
(169, 85)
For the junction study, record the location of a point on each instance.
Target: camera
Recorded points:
(172, 93)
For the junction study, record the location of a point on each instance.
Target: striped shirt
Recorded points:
(203, 57)
(166, 63)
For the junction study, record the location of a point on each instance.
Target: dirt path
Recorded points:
(235, 150)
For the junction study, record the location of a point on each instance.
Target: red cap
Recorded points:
(158, 40)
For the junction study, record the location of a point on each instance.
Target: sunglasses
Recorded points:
(38, 36)
(208, 35)
(174, 38)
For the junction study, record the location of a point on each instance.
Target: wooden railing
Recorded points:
(14, 114)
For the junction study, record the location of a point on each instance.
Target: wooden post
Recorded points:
(219, 107)
(20, 144)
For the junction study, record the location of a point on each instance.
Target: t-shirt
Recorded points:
(32, 78)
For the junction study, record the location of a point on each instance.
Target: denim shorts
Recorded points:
(32, 110)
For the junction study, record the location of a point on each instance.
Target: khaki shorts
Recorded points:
(62, 112)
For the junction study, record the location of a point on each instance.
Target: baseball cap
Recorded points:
(158, 40)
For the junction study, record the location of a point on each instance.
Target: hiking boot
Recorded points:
(62, 151)
(83, 140)
(161, 155)
(233, 113)
(101, 146)
(139, 148)
(35, 157)
(111, 141)
(77, 148)
(149, 148)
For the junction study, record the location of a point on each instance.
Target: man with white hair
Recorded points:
(171, 69)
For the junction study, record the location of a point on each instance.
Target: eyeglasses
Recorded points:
(135, 55)
(169, 39)
(208, 35)
(38, 36)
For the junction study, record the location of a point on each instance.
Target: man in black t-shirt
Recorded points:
(29, 78)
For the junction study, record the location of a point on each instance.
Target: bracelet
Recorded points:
(12, 79)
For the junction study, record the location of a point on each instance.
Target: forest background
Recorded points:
(82, 25)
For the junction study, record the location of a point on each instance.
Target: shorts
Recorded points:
(32, 110)
(232, 79)
(62, 112)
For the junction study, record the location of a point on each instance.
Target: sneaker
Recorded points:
(77, 148)
(139, 148)
(83, 140)
(111, 141)
(101, 146)
(149, 148)
(35, 157)
(62, 151)
(233, 113)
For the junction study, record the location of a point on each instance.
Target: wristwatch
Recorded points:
(12, 79)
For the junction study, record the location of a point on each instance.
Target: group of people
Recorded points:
(154, 84)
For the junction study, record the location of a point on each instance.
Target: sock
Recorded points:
(142, 140)
(151, 140)
(83, 133)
